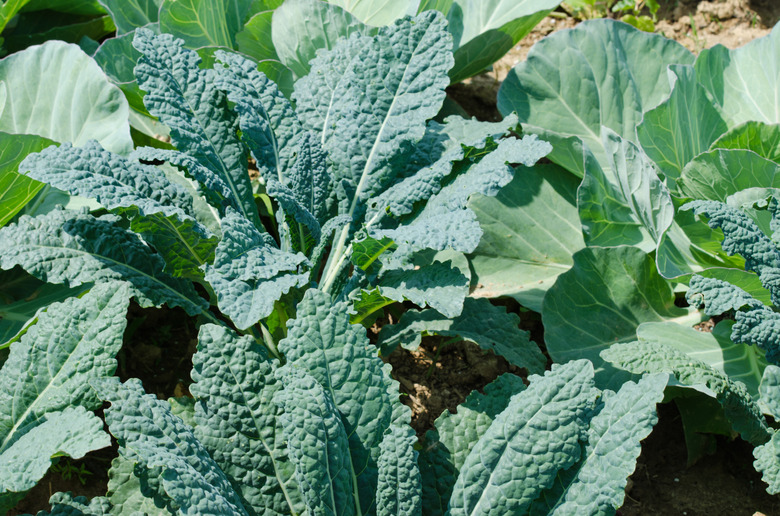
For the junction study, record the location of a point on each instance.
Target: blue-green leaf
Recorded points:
(445, 221)
(184, 98)
(337, 354)
(250, 273)
(316, 443)
(488, 326)
(238, 422)
(652, 357)
(382, 90)
(398, 491)
(44, 383)
(438, 285)
(76, 248)
(597, 485)
(146, 427)
(159, 209)
(542, 425)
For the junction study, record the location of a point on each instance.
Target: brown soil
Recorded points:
(694, 24)
(724, 483)
(435, 378)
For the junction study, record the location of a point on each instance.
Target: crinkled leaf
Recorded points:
(129, 489)
(72, 432)
(597, 485)
(740, 235)
(459, 432)
(268, 123)
(184, 98)
(49, 367)
(488, 326)
(302, 27)
(237, 421)
(380, 98)
(250, 273)
(530, 232)
(65, 504)
(45, 380)
(601, 73)
(398, 492)
(652, 357)
(715, 348)
(75, 248)
(337, 354)
(768, 463)
(770, 390)
(445, 221)
(159, 209)
(541, 426)
(316, 443)
(439, 285)
(689, 246)
(718, 296)
(146, 427)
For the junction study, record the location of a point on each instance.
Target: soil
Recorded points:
(438, 376)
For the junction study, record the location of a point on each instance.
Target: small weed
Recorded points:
(68, 470)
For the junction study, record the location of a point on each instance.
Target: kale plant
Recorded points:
(294, 410)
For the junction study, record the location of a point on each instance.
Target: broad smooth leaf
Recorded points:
(302, 27)
(17, 190)
(682, 126)
(602, 72)
(603, 299)
(624, 203)
(23, 296)
(761, 138)
(530, 232)
(375, 12)
(131, 14)
(446, 448)
(485, 30)
(742, 88)
(204, 23)
(716, 174)
(40, 78)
